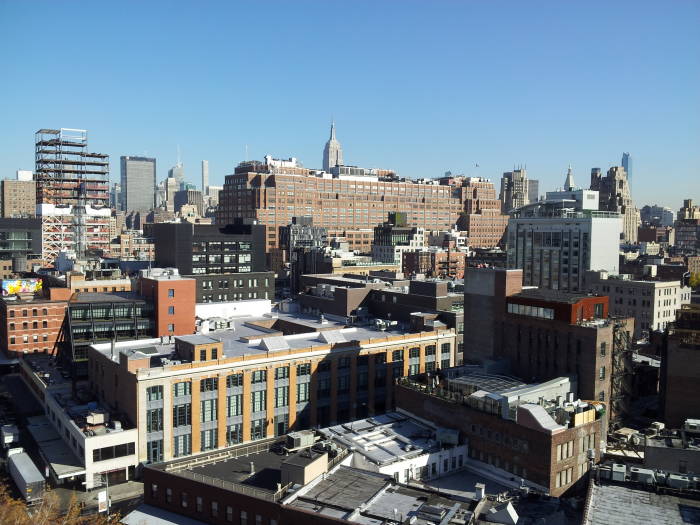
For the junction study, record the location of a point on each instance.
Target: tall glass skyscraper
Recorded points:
(627, 164)
(138, 183)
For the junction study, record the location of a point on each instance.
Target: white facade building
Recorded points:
(393, 253)
(77, 440)
(653, 304)
(584, 199)
(400, 446)
(555, 246)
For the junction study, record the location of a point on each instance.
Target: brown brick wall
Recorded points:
(267, 510)
(503, 443)
(43, 321)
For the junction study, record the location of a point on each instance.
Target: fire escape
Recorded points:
(621, 373)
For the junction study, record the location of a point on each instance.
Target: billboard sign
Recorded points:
(102, 501)
(14, 286)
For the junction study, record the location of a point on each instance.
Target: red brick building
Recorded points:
(434, 263)
(555, 460)
(547, 334)
(33, 325)
(173, 299)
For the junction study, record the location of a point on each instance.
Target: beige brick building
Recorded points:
(18, 198)
(261, 379)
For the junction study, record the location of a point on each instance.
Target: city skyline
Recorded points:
(544, 98)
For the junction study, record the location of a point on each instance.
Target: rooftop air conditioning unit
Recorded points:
(95, 418)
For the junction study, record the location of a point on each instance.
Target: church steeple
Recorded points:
(569, 184)
(333, 152)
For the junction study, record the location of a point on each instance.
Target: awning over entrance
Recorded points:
(60, 458)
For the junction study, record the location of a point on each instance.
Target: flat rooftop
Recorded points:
(373, 499)
(251, 336)
(556, 296)
(386, 438)
(253, 465)
(99, 297)
(494, 383)
(679, 440)
(621, 505)
(267, 468)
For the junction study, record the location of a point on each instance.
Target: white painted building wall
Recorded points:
(439, 464)
(83, 446)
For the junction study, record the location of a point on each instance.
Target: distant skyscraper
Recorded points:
(138, 183)
(171, 187)
(615, 196)
(569, 182)
(115, 196)
(517, 190)
(205, 177)
(177, 172)
(333, 152)
(627, 164)
(533, 190)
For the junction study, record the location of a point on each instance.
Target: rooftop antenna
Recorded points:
(246, 152)
(178, 155)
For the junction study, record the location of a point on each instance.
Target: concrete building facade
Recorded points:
(485, 294)
(555, 245)
(228, 262)
(515, 190)
(653, 304)
(138, 184)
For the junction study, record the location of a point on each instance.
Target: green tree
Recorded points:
(695, 280)
(14, 511)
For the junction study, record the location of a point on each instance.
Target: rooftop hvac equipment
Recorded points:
(95, 418)
(301, 439)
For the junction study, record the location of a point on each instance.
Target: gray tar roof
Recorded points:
(621, 505)
(359, 496)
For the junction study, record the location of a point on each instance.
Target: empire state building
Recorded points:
(332, 153)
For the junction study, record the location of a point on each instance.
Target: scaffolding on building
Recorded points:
(621, 373)
(72, 193)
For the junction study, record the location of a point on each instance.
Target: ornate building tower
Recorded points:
(615, 196)
(333, 152)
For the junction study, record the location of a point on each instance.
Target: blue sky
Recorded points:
(420, 87)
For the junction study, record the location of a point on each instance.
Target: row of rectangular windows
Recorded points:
(260, 376)
(256, 519)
